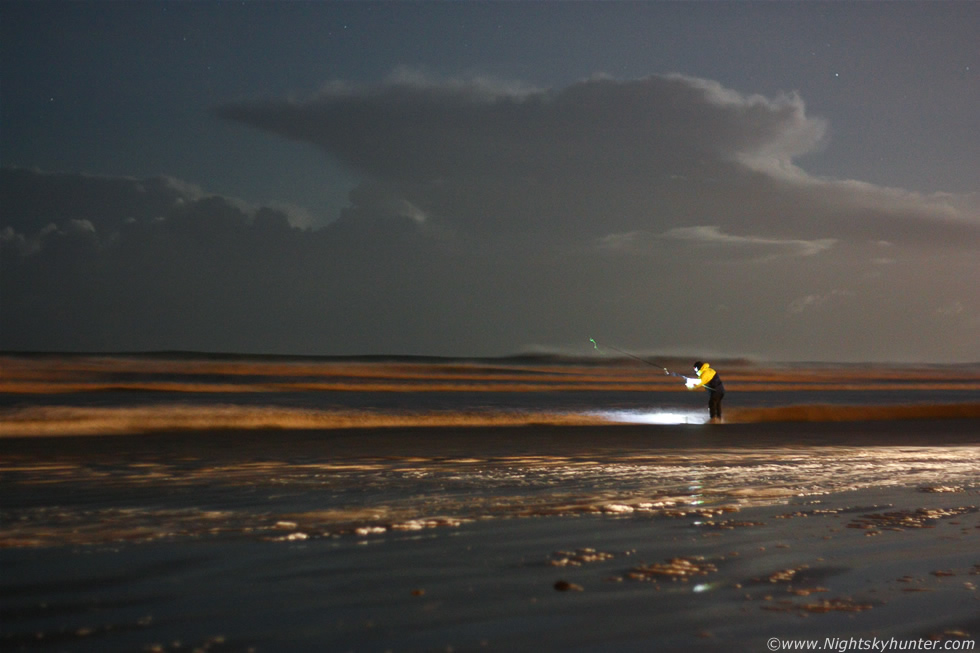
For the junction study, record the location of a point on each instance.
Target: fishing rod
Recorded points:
(634, 356)
(652, 364)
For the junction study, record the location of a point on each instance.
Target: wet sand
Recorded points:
(848, 565)
(177, 541)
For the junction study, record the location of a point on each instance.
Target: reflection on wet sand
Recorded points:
(374, 494)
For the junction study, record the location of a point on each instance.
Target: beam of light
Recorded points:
(652, 416)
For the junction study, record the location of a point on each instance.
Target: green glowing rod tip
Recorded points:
(592, 340)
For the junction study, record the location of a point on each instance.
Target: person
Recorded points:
(710, 381)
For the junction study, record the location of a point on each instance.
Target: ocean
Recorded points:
(194, 502)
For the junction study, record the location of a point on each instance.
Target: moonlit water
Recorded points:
(48, 395)
(245, 447)
(137, 474)
(301, 488)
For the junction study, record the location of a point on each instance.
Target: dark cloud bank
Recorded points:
(665, 214)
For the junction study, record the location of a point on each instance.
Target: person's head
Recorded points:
(698, 365)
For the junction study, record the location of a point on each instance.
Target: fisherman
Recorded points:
(710, 381)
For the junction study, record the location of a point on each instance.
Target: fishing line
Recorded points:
(634, 356)
(643, 360)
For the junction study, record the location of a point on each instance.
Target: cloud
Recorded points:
(956, 308)
(801, 304)
(603, 157)
(412, 130)
(36, 202)
(754, 247)
(34, 199)
(712, 235)
(490, 216)
(192, 270)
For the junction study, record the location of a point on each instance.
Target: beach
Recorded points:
(381, 326)
(544, 525)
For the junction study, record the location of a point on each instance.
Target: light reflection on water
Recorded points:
(213, 458)
(88, 502)
(653, 416)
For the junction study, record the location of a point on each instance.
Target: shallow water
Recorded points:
(489, 585)
(266, 517)
(307, 485)
(50, 395)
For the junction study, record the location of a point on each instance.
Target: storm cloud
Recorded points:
(664, 214)
(601, 157)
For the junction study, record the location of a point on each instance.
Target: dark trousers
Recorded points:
(714, 402)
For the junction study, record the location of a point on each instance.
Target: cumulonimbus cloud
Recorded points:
(490, 216)
(604, 156)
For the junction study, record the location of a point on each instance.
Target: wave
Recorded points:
(99, 420)
(71, 420)
(832, 413)
(36, 375)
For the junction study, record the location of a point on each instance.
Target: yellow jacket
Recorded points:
(705, 374)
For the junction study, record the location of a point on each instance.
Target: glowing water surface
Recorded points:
(119, 447)
(311, 487)
(653, 416)
(222, 503)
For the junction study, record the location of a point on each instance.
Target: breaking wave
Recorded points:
(92, 395)
(69, 420)
(98, 420)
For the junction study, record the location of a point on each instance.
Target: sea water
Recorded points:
(139, 494)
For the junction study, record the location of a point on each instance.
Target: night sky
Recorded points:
(779, 180)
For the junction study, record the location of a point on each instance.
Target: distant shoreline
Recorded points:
(555, 358)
